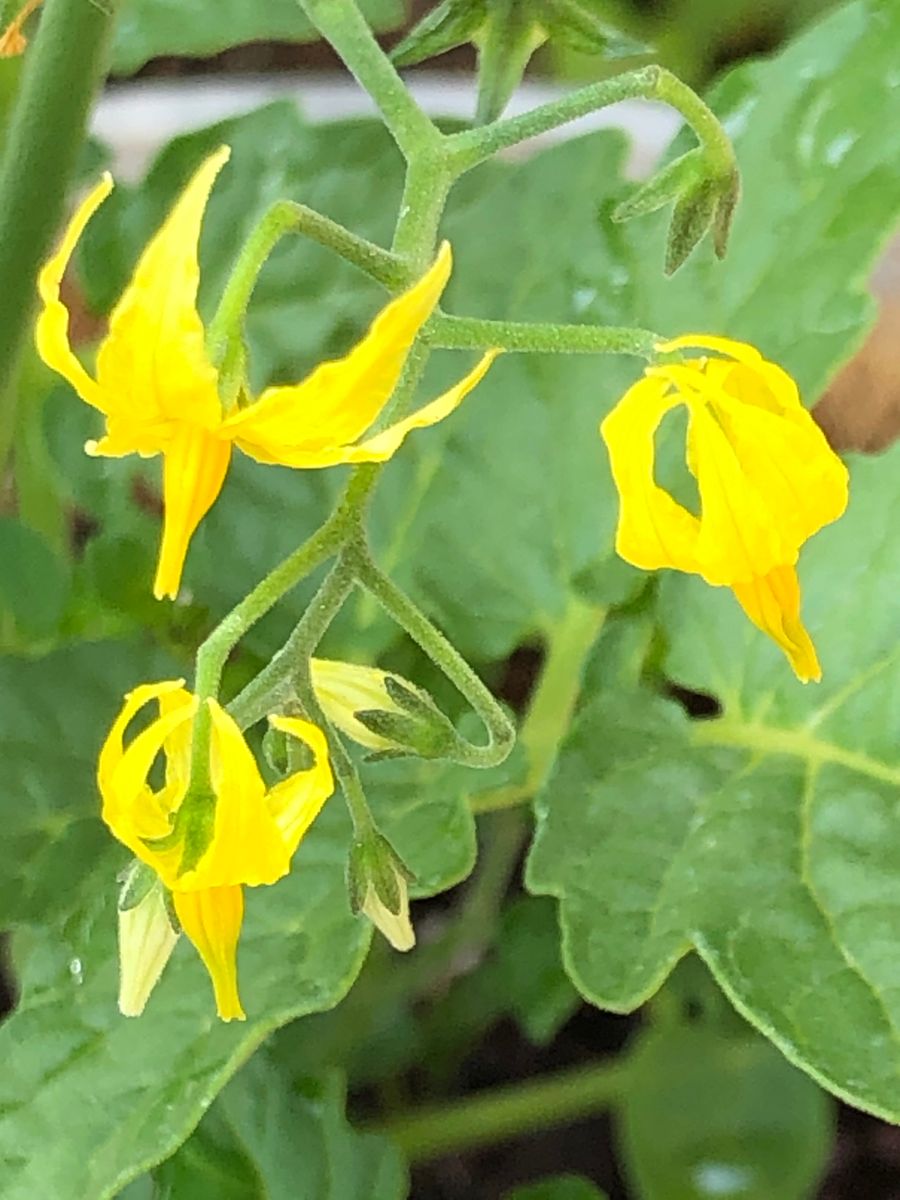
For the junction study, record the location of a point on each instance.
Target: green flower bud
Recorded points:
(703, 198)
(382, 711)
(451, 24)
(378, 881)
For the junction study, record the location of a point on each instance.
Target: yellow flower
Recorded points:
(158, 390)
(766, 476)
(253, 833)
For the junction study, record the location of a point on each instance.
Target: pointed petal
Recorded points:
(212, 919)
(296, 801)
(153, 362)
(343, 689)
(135, 813)
(247, 845)
(772, 603)
(113, 748)
(383, 445)
(338, 402)
(742, 351)
(52, 328)
(653, 530)
(195, 464)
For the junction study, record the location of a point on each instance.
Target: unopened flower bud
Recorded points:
(147, 937)
(382, 711)
(378, 880)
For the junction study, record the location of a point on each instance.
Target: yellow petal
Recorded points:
(153, 362)
(212, 919)
(296, 801)
(247, 846)
(383, 445)
(738, 540)
(338, 402)
(799, 482)
(195, 464)
(742, 351)
(113, 748)
(653, 530)
(772, 603)
(133, 811)
(344, 689)
(52, 328)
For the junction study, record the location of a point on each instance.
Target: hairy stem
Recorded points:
(341, 23)
(500, 730)
(473, 146)
(473, 333)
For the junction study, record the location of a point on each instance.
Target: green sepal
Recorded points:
(691, 218)
(577, 25)
(506, 41)
(672, 181)
(169, 903)
(136, 882)
(729, 194)
(420, 729)
(451, 24)
(373, 862)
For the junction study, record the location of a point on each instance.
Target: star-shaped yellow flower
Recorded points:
(158, 390)
(767, 480)
(253, 832)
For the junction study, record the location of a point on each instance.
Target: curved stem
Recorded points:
(506, 1112)
(473, 146)
(62, 69)
(276, 682)
(501, 732)
(473, 333)
(341, 23)
(224, 339)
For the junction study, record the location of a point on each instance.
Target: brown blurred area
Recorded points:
(861, 408)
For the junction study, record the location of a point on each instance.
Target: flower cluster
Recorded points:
(184, 794)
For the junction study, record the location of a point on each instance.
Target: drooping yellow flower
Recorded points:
(766, 477)
(252, 834)
(12, 40)
(158, 390)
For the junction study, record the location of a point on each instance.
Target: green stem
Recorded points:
(552, 704)
(425, 189)
(506, 1112)
(213, 653)
(63, 67)
(341, 23)
(473, 146)
(501, 732)
(276, 683)
(224, 336)
(473, 333)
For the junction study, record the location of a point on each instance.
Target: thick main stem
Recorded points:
(341, 23)
(506, 1112)
(62, 70)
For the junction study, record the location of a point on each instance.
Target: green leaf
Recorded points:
(152, 28)
(34, 583)
(766, 839)
(265, 1140)
(707, 1114)
(560, 1187)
